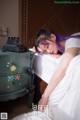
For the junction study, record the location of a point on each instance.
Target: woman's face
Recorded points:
(50, 47)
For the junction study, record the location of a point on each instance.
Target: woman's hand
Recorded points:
(42, 102)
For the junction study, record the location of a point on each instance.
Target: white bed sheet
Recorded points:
(64, 102)
(44, 66)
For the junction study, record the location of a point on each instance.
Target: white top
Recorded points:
(73, 42)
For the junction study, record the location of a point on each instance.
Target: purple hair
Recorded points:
(44, 34)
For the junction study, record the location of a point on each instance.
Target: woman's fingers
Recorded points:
(42, 103)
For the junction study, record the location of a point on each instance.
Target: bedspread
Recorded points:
(64, 102)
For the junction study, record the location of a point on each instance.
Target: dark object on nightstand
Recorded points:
(13, 45)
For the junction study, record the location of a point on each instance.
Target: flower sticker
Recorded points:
(10, 78)
(13, 68)
(17, 77)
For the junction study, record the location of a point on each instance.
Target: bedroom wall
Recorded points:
(62, 18)
(9, 18)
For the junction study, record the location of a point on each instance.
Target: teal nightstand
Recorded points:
(16, 75)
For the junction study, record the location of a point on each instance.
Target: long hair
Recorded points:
(44, 34)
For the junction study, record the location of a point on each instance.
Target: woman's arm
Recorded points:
(59, 74)
(55, 55)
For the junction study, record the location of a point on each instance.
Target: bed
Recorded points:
(64, 102)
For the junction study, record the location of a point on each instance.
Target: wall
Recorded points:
(9, 17)
(62, 18)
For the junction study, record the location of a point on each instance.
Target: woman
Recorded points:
(61, 98)
(49, 42)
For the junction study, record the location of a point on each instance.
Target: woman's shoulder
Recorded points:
(73, 42)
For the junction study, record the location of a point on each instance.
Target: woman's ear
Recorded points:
(53, 37)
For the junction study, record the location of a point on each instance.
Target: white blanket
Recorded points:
(44, 66)
(64, 102)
